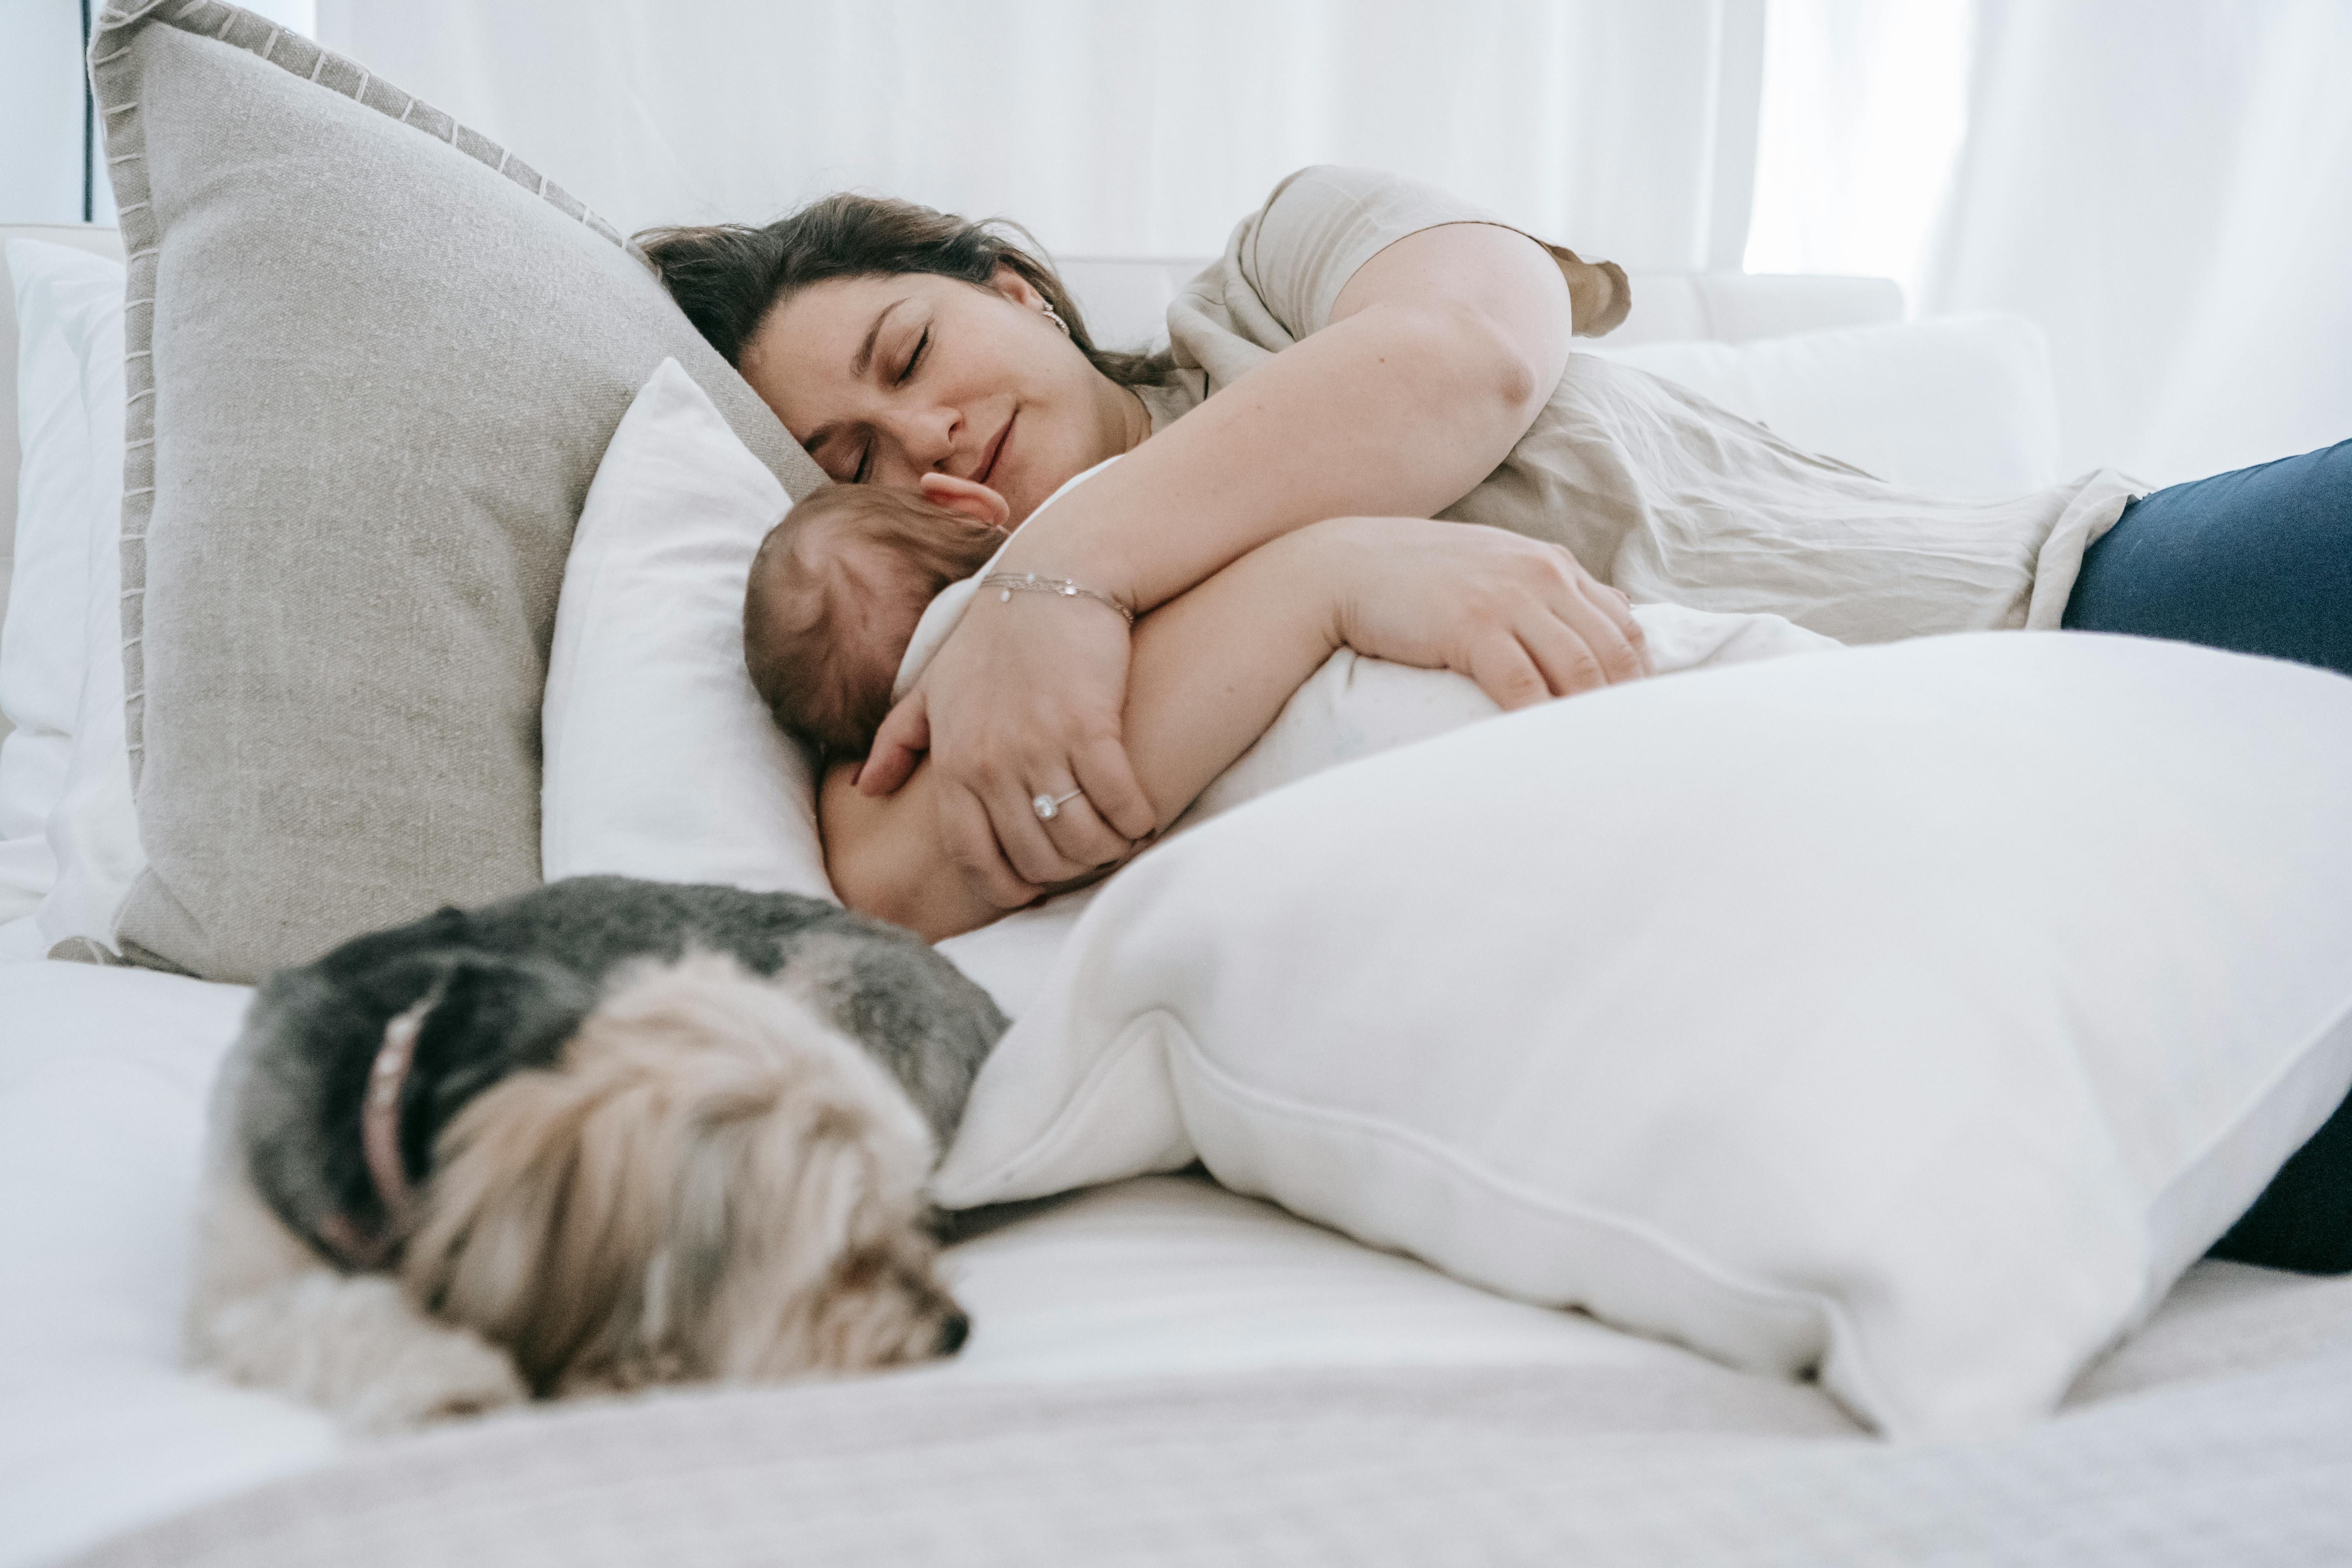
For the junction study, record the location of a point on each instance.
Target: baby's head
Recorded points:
(837, 587)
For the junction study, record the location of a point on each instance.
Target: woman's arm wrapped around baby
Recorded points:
(1209, 670)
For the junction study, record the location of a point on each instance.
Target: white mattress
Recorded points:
(102, 1075)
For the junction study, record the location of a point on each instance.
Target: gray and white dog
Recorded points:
(604, 1134)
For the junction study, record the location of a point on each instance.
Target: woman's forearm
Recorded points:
(1440, 353)
(1213, 667)
(1209, 671)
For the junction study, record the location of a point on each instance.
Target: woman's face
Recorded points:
(886, 379)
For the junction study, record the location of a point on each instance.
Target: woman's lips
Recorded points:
(995, 449)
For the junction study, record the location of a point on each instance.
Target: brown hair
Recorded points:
(726, 277)
(810, 675)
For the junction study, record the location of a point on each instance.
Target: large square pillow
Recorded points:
(373, 362)
(1912, 1014)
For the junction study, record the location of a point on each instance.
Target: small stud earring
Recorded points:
(1053, 316)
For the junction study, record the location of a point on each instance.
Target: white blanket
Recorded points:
(1394, 1469)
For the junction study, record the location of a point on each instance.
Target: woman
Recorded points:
(1378, 347)
(1369, 345)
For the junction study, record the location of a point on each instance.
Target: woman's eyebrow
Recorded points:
(858, 367)
(866, 350)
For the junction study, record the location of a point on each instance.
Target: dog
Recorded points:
(606, 1134)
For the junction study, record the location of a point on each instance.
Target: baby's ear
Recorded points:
(975, 501)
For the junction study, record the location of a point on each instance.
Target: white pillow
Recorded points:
(68, 830)
(661, 760)
(1958, 406)
(1914, 1015)
(68, 305)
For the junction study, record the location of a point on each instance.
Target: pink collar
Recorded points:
(380, 1142)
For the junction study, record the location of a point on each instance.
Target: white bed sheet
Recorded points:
(102, 1079)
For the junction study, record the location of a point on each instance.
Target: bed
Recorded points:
(1161, 1370)
(1155, 1346)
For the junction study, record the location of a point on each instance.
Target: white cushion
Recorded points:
(661, 760)
(69, 831)
(1915, 1015)
(94, 831)
(66, 304)
(1957, 406)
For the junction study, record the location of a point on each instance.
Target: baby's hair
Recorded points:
(804, 666)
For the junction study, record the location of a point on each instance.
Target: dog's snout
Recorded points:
(955, 1328)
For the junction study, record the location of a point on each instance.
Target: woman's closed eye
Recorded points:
(906, 374)
(915, 358)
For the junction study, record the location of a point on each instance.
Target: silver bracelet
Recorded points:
(1008, 583)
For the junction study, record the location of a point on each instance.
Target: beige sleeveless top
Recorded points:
(1654, 488)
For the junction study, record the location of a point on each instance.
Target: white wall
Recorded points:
(40, 112)
(41, 107)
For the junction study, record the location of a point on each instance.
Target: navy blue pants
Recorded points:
(2259, 560)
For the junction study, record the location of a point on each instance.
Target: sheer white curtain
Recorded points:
(1109, 127)
(2166, 185)
(1864, 109)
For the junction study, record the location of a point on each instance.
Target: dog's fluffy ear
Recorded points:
(715, 1184)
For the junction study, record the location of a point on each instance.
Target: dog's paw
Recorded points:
(452, 1375)
(360, 1348)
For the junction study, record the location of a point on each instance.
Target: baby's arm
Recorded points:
(1208, 672)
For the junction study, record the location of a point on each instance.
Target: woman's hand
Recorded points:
(1024, 699)
(1521, 619)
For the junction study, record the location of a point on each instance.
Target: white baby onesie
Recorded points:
(1354, 706)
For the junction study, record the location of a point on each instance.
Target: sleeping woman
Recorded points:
(1368, 347)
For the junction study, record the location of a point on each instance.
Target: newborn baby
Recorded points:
(837, 590)
(857, 588)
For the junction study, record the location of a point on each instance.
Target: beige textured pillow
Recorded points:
(373, 362)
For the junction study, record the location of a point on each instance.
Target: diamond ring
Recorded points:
(1048, 807)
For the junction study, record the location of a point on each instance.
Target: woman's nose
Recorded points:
(928, 436)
